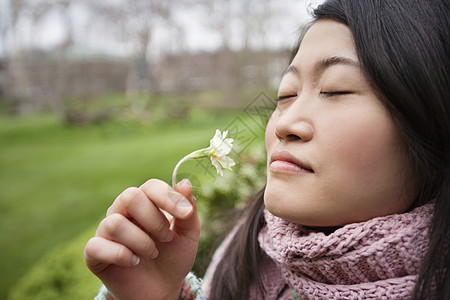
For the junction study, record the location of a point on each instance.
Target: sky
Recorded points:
(195, 36)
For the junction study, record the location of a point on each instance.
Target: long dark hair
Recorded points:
(403, 47)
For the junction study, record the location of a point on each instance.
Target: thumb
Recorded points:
(190, 225)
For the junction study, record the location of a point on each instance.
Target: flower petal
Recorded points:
(229, 141)
(217, 165)
(216, 140)
(229, 144)
(226, 162)
(224, 134)
(224, 148)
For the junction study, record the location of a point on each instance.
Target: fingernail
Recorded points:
(135, 260)
(185, 181)
(188, 182)
(155, 254)
(183, 205)
(175, 197)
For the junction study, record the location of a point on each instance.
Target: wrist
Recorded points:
(172, 292)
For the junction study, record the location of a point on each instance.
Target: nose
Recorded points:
(293, 124)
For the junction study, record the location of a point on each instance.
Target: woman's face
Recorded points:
(334, 154)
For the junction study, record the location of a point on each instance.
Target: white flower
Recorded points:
(219, 148)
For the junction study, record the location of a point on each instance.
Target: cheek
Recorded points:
(366, 145)
(370, 163)
(358, 152)
(357, 157)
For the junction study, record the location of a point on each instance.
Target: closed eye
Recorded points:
(285, 98)
(333, 94)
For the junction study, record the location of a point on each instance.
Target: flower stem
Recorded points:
(205, 152)
(175, 170)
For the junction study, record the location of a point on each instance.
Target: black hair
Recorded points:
(403, 48)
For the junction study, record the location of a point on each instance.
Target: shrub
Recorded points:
(221, 201)
(60, 274)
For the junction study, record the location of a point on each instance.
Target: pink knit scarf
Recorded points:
(377, 259)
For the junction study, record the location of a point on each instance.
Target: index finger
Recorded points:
(166, 198)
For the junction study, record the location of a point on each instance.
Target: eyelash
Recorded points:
(285, 98)
(333, 94)
(323, 94)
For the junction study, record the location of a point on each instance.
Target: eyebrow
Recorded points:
(322, 65)
(336, 60)
(290, 69)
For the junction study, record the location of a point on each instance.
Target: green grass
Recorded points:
(57, 181)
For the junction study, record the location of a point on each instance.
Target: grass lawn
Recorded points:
(56, 181)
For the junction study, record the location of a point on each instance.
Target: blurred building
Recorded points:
(36, 80)
(39, 81)
(223, 70)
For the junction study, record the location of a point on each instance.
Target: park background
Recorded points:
(97, 96)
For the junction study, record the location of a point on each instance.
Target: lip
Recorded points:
(282, 161)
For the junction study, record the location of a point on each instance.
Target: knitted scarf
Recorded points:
(376, 259)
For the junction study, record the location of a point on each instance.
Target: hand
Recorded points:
(134, 253)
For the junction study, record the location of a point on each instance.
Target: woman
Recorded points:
(356, 204)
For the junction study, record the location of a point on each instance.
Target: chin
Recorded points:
(272, 200)
(276, 206)
(292, 210)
